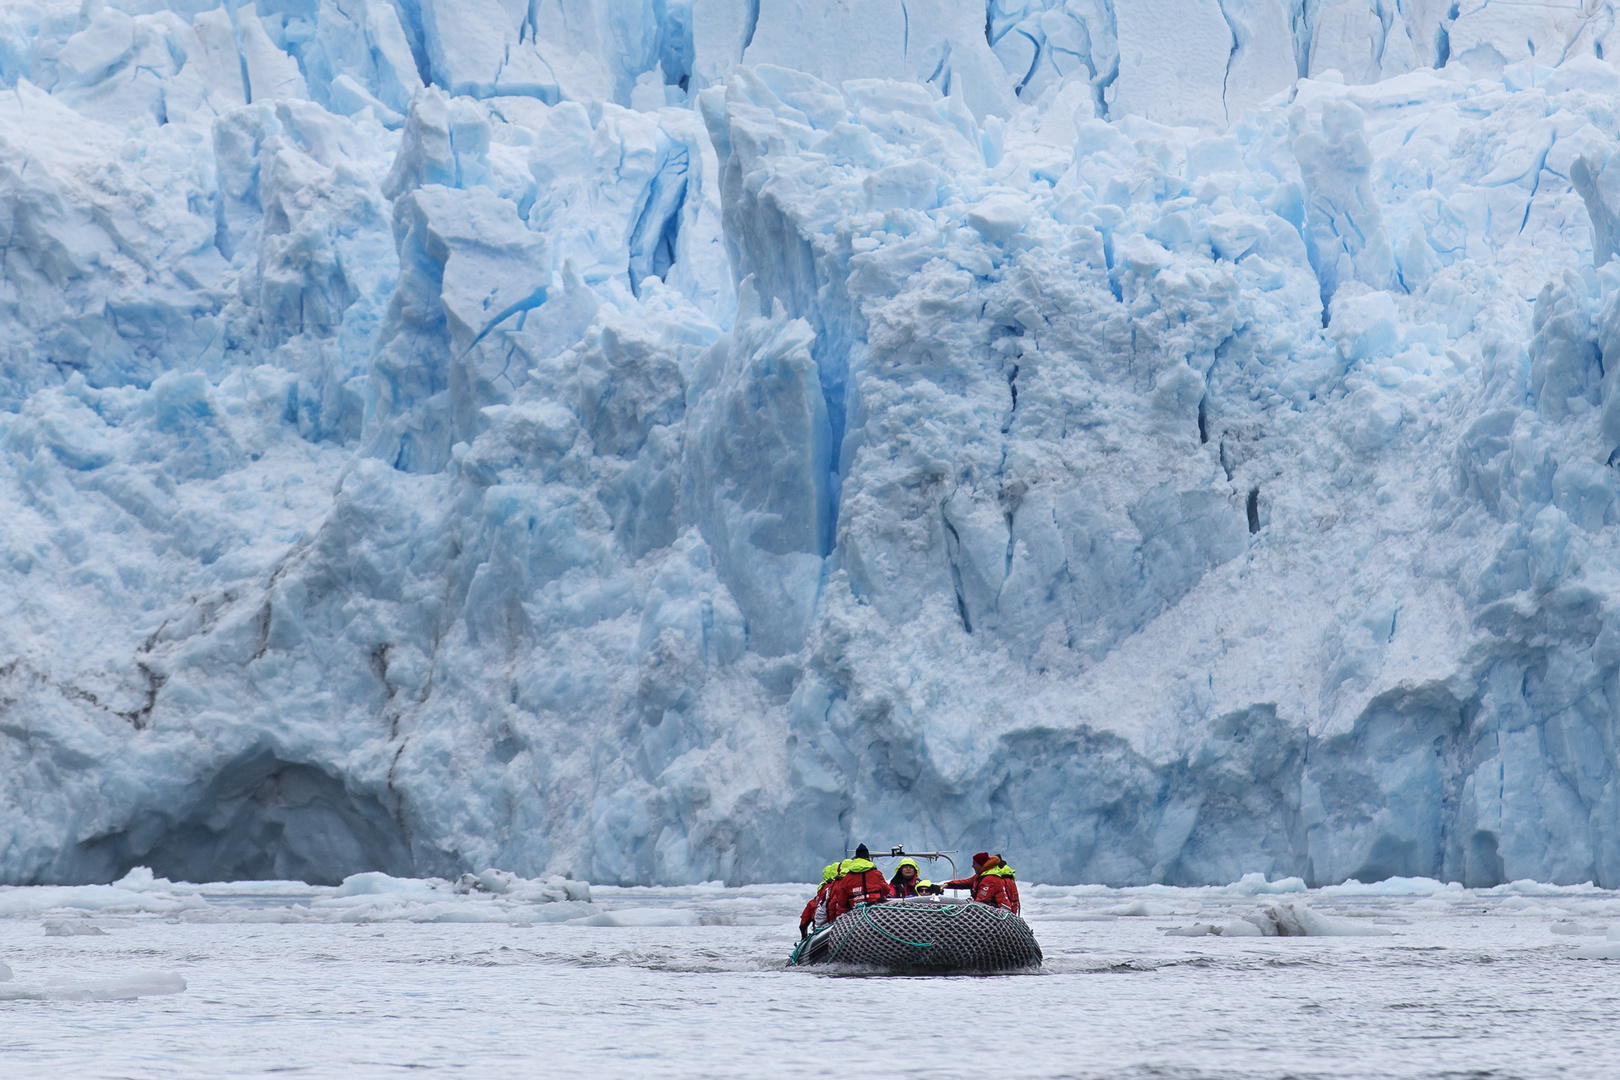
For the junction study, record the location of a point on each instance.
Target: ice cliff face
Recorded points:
(666, 441)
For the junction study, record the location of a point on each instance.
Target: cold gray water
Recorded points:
(401, 978)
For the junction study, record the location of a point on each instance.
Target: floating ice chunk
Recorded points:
(1239, 928)
(509, 885)
(1139, 907)
(1570, 928)
(1235, 928)
(139, 877)
(73, 928)
(489, 885)
(127, 988)
(377, 883)
(1532, 887)
(1608, 950)
(640, 917)
(1283, 920)
(37, 900)
(579, 891)
(1256, 884)
(1297, 920)
(147, 984)
(490, 881)
(1395, 886)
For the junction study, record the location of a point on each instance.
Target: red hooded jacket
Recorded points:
(809, 914)
(862, 883)
(829, 875)
(993, 884)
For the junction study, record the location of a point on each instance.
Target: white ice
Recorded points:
(1608, 950)
(665, 442)
(691, 981)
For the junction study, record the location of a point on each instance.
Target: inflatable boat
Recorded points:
(924, 934)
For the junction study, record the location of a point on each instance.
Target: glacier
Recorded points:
(668, 441)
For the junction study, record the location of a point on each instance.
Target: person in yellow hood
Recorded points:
(861, 883)
(992, 882)
(906, 878)
(815, 912)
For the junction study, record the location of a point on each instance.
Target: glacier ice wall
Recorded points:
(668, 441)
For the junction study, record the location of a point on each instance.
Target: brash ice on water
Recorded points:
(383, 976)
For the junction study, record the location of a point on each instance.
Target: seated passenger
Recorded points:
(816, 910)
(862, 883)
(992, 882)
(905, 880)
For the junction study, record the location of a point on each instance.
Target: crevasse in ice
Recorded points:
(668, 441)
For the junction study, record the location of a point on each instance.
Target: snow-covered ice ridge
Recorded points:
(668, 441)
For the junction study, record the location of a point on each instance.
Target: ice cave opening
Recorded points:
(260, 818)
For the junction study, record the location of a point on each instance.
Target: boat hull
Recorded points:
(924, 934)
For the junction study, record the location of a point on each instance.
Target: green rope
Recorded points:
(834, 954)
(949, 911)
(866, 914)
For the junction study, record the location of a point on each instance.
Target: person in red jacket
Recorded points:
(829, 874)
(862, 883)
(906, 877)
(992, 882)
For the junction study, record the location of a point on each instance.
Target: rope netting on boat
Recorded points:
(926, 933)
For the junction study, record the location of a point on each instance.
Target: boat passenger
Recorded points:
(992, 882)
(862, 883)
(815, 912)
(905, 880)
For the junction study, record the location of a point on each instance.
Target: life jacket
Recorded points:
(829, 876)
(997, 886)
(861, 883)
(899, 885)
(994, 885)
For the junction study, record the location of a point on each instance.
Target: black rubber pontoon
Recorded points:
(924, 934)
